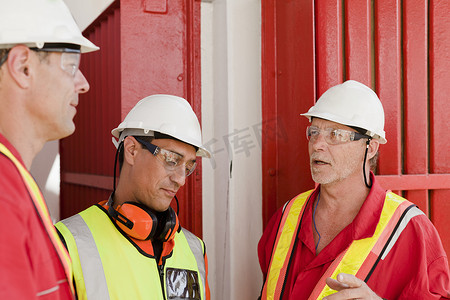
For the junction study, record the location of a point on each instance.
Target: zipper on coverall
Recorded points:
(161, 277)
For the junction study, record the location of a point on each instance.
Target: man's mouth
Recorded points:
(170, 192)
(319, 162)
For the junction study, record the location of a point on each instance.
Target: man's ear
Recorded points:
(19, 65)
(130, 147)
(373, 148)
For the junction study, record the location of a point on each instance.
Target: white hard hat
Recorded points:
(352, 104)
(36, 22)
(166, 114)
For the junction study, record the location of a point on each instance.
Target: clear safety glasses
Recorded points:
(70, 58)
(333, 136)
(170, 160)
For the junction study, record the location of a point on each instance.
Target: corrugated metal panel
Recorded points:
(358, 41)
(439, 111)
(288, 88)
(147, 48)
(415, 94)
(329, 44)
(399, 48)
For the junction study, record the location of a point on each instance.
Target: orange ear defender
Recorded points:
(139, 222)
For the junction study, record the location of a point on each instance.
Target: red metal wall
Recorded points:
(400, 49)
(147, 47)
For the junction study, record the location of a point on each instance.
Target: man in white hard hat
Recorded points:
(349, 238)
(40, 47)
(132, 246)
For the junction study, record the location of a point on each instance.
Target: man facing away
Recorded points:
(132, 245)
(40, 48)
(348, 238)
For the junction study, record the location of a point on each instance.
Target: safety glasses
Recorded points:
(70, 58)
(333, 136)
(170, 160)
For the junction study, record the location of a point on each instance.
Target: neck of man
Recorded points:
(338, 206)
(22, 140)
(344, 197)
(16, 126)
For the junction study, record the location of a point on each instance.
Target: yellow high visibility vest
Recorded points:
(42, 211)
(359, 259)
(107, 266)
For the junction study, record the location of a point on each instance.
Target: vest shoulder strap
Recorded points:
(93, 278)
(362, 256)
(283, 247)
(42, 211)
(197, 248)
(359, 259)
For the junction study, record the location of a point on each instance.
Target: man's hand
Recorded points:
(349, 287)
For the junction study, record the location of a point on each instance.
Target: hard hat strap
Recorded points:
(59, 47)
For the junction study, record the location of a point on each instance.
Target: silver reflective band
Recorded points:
(197, 250)
(49, 291)
(413, 212)
(91, 263)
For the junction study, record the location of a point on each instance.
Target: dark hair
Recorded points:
(146, 138)
(374, 159)
(43, 56)
(3, 58)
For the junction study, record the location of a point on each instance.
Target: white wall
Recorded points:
(231, 119)
(45, 170)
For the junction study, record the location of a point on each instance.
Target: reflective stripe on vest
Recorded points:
(359, 259)
(197, 250)
(106, 263)
(42, 211)
(96, 287)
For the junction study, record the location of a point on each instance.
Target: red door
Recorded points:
(400, 49)
(147, 47)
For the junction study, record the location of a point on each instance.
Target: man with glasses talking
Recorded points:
(132, 245)
(349, 238)
(40, 51)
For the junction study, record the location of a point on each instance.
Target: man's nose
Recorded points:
(81, 83)
(179, 175)
(319, 141)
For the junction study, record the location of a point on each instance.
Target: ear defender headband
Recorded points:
(139, 222)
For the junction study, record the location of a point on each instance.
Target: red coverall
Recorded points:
(30, 267)
(416, 267)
